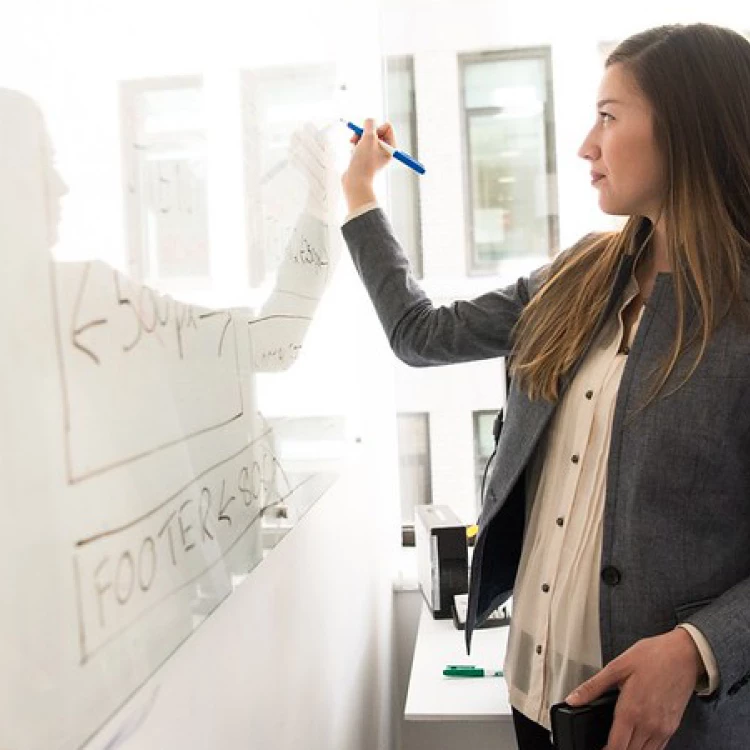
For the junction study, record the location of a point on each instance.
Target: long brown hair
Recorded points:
(697, 80)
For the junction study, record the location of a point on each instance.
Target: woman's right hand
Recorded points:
(367, 160)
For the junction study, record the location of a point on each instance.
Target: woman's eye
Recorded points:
(605, 116)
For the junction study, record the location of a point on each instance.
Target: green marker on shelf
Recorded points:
(470, 670)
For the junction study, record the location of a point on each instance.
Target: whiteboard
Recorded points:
(156, 445)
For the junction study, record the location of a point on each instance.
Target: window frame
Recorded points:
(474, 267)
(405, 63)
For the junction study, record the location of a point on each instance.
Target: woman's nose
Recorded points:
(589, 149)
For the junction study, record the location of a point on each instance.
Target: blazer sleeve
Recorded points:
(725, 624)
(419, 333)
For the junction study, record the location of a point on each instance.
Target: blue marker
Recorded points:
(402, 156)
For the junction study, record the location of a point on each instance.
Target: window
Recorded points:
(510, 157)
(484, 444)
(403, 184)
(414, 468)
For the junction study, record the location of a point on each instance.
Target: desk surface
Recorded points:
(432, 697)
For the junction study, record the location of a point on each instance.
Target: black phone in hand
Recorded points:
(583, 727)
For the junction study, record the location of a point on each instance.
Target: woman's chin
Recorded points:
(612, 209)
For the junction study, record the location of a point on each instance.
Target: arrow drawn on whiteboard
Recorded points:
(82, 329)
(133, 722)
(214, 313)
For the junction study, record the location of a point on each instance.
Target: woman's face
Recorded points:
(627, 169)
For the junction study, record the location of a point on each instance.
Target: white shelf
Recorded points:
(432, 697)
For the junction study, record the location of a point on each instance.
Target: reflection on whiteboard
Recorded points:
(305, 267)
(177, 228)
(286, 170)
(142, 479)
(164, 144)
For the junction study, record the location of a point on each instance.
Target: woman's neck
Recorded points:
(652, 261)
(657, 260)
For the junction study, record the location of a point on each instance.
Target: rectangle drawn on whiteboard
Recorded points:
(126, 572)
(141, 371)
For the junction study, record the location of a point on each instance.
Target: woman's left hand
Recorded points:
(656, 677)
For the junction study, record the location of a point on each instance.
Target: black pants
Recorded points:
(530, 735)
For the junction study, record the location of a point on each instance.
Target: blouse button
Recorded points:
(589, 395)
(545, 587)
(575, 458)
(560, 521)
(539, 649)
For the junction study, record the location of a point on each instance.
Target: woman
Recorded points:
(618, 507)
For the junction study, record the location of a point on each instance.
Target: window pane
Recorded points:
(403, 184)
(414, 463)
(510, 160)
(507, 83)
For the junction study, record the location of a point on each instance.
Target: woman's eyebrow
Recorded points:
(603, 102)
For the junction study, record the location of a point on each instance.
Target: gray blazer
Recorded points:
(676, 545)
